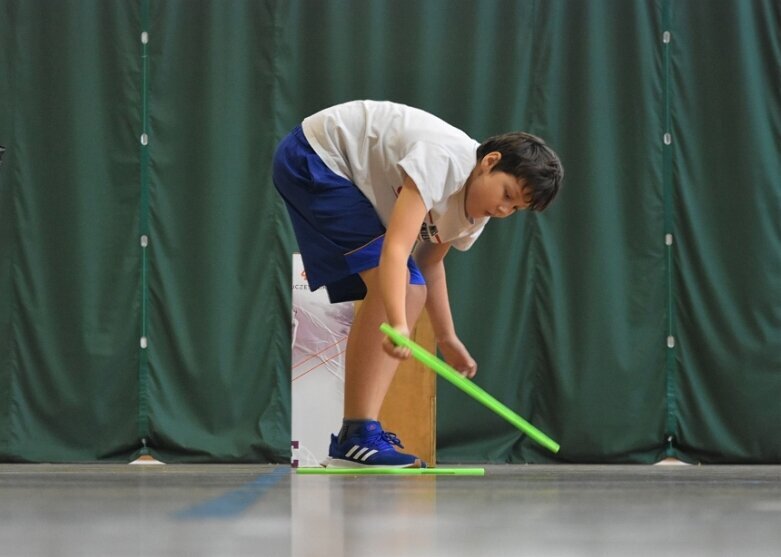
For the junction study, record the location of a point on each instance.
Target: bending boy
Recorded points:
(366, 181)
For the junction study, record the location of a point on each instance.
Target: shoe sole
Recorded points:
(339, 463)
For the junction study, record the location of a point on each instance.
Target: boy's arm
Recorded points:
(430, 260)
(403, 229)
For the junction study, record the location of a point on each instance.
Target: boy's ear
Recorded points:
(490, 160)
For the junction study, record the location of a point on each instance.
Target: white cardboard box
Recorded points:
(320, 332)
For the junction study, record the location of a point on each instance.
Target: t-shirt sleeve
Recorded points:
(432, 169)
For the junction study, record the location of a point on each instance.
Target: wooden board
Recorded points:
(410, 407)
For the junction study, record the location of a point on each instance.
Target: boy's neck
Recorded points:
(466, 192)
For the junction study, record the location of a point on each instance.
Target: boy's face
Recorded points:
(494, 194)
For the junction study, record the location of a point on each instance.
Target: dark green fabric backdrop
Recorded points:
(638, 318)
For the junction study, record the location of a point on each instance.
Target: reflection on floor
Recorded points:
(268, 511)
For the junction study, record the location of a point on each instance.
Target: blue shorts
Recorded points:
(338, 230)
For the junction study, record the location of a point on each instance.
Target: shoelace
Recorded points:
(389, 437)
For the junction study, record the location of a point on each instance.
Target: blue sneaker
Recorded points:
(370, 446)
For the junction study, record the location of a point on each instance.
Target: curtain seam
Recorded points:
(534, 248)
(667, 153)
(142, 416)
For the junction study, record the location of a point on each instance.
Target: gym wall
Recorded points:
(144, 256)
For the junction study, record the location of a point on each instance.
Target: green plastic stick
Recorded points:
(368, 471)
(447, 372)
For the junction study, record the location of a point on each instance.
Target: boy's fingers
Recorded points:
(469, 371)
(394, 350)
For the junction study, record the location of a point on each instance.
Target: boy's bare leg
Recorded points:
(368, 369)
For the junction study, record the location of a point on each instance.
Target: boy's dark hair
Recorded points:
(527, 157)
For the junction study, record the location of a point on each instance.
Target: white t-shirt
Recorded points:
(375, 143)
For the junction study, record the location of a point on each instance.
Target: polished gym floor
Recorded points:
(628, 511)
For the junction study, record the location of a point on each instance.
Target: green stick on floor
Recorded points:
(371, 470)
(447, 372)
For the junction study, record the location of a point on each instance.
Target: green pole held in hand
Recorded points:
(447, 372)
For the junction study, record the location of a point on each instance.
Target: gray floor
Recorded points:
(514, 510)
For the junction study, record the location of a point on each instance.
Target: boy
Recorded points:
(363, 182)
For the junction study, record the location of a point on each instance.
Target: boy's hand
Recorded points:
(398, 352)
(457, 356)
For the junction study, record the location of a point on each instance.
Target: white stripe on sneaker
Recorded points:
(367, 455)
(351, 451)
(359, 453)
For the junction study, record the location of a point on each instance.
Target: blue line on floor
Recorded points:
(233, 503)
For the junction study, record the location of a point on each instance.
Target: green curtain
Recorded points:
(726, 206)
(70, 272)
(576, 340)
(219, 271)
(210, 292)
(638, 318)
